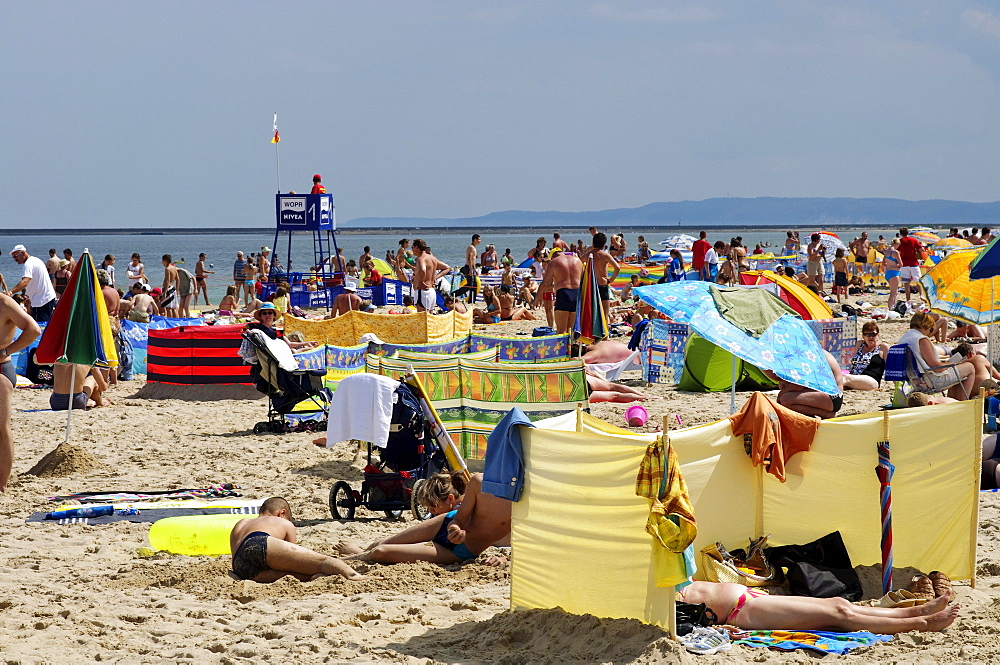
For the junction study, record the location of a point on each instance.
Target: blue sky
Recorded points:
(122, 114)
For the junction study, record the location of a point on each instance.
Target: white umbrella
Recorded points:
(680, 241)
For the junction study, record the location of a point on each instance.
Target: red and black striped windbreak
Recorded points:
(192, 355)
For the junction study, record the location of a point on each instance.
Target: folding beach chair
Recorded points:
(902, 367)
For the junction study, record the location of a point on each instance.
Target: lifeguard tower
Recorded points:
(298, 213)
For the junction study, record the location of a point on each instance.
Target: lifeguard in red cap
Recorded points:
(318, 187)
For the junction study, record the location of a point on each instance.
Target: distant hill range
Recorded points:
(723, 212)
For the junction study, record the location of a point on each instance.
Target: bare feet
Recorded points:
(320, 441)
(942, 619)
(344, 548)
(933, 606)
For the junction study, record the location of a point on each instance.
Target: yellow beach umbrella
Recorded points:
(951, 243)
(952, 292)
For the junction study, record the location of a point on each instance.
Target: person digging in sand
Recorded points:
(456, 533)
(264, 549)
(754, 609)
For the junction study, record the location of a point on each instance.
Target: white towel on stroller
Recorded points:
(361, 409)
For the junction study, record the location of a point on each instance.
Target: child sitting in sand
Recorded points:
(466, 522)
(754, 609)
(264, 549)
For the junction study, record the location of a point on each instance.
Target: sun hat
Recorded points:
(265, 307)
(18, 248)
(265, 250)
(63, 263)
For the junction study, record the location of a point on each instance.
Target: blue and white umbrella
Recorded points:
(788, 347)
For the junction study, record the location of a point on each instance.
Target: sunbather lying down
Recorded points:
(754, 609)
(466, 522)
(602, 390)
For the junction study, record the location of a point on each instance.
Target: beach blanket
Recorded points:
(346, 330)
(214, 492)
(144, 515)
(471, 397)
(821, 641)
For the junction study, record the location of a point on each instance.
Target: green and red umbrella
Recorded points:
(79, 330)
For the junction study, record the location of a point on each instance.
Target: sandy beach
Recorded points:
(93, 593)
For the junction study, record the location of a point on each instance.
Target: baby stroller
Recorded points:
(394, 474)
(276, 375)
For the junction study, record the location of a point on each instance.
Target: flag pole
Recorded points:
(276, 140)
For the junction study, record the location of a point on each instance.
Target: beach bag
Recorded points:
(690, 615)
(820, 569)
(720, 565)
(542, 331)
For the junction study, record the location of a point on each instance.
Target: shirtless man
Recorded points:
(77, 386)
(346, 301)
(471, 253)
(481, 521)
(557, 241)
(52, 265)
(143, 305)
(815, 255)
(861, 247)
(562, 277)
(264, 549)
(200, 279)
(602, 262)
(169, 300)
(12, 317)
(754, 609)
(426, 271)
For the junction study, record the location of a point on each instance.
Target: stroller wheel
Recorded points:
(419, 511)
(277, 427)
(342, 503)
(393, 514)
(260, 428)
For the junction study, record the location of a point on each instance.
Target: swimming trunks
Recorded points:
(426, 298)
(814, 268)
(138, 315)
(566, 300)
(7, 369)
(463, 553)
(548, 295)
(838, 401)
(249, 282)
(747, 595)
(168, 297)
(250, 559)
(840, 279)
(861, 259)
(604, 291)
(60, 401)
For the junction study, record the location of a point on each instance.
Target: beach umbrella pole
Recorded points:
(732, 389)
(69, 411)
(884, 471)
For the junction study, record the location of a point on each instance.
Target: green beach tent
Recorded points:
(709, 368)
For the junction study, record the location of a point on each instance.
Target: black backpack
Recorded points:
(689, 615)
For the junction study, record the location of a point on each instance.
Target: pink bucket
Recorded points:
(636, 416)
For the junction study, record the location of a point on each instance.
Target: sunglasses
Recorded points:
(875, 334)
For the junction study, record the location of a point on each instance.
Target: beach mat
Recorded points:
(145, 516)
(214, 492)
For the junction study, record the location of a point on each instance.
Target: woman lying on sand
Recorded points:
(754, 609)
(466, 522)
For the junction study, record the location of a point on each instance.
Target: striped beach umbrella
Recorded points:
(925, 237)
(952, 291)
(79, 331)
(591, 324)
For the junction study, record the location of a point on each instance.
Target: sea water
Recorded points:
(297, 251)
